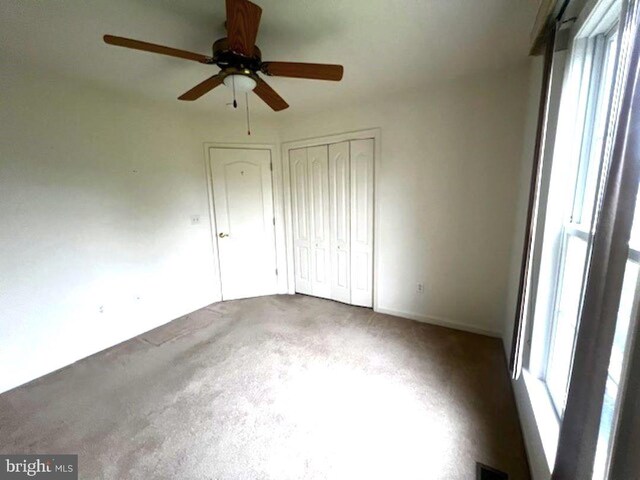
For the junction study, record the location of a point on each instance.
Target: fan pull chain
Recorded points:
(246, 96)
(233, 84)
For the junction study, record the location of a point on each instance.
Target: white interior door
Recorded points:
(340, 218)
(318, 168)
(362, 182)
(298, 166)
(243, 205)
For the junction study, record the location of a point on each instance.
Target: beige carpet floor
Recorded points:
(280, 387)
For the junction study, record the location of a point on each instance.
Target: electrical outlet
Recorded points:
(195, 219)
(101, 309)
(420, 288)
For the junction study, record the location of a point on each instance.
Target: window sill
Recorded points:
(545, 416)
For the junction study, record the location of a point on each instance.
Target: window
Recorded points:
(626, 312)
(572, 184)
(577, 228)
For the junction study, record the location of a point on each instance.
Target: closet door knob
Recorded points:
(222, 235)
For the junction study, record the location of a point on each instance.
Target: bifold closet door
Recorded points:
(318, 171)
(362, 182)
(332, 210)
(300, 218)
(340, 218)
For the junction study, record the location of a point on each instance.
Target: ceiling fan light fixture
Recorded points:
(241, 83)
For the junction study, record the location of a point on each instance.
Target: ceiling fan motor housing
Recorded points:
(231, 62)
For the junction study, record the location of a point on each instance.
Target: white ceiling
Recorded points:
(386, 46)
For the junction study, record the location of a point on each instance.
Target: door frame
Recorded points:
(371, 133)
(278, 211)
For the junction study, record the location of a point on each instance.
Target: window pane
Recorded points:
(568, 305)
(583, 211)
(571, 285)
(624, 318)
(628, 300)
(634, 241)
(606, 422)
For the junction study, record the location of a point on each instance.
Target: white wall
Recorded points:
(448, 188)
(522, 200)
(96, 195)
(97, 190)
(538, 464)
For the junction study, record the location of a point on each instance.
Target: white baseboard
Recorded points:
(442, 322)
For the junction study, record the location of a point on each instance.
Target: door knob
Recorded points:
(222, 235)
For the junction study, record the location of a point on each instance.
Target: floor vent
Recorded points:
(487, 473)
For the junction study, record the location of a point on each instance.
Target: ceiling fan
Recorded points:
(239, 59)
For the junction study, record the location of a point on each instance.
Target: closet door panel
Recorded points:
(318, 168)
(298, 164)
(340, 218)
(362, 182)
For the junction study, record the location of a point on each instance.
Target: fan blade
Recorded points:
(269, 96)
(202, 88)
(243, 20)
(317, 71)
(153, 48)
